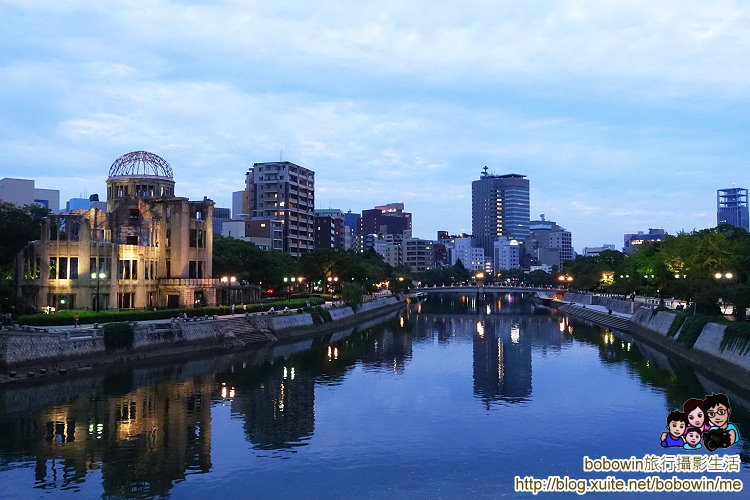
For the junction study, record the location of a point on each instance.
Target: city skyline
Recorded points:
(614, 141)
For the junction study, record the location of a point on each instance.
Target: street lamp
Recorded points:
(98, 277)
(719, 276)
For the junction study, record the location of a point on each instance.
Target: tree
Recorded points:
(18, 226)
(352, 293)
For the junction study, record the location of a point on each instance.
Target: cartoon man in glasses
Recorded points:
(718, 411)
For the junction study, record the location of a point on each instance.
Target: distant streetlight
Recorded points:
(727, 276)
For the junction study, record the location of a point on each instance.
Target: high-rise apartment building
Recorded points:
(499, 207)
(283, 191)
(732, 208)
(506, 254)
(329, 228)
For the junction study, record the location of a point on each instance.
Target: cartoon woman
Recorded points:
(696, 413)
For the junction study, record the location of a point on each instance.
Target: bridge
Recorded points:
(546, 291)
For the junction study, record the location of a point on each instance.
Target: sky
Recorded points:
(625, 115)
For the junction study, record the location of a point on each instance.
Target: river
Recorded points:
(450, 399)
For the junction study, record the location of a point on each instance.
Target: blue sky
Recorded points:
(625, 115)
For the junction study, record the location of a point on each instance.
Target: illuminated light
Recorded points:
(570, 278)
(480, 328)
(570, 328)
(93, 276)
(515, 334)
(401, 321)
(677, 276)
(286, 279)
(233, 279)
(729, 276)
(223, 392)
(335, 353)
(488, 310)
(717, 276)
(232, 392)
(562, 326)
(292, 377)
(224, 279)
(401, 278)
(285, 372)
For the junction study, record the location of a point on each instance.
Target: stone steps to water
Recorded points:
(246, 332)
(609, 320)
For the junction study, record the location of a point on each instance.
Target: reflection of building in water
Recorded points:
(390, 350)
(142, 441)
(279, 410)
(502, 360)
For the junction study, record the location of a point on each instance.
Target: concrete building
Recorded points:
(266, 234)
(23, 192)
(284, 191)
(633, 240)
(417, 254)
(465, 249)
(548, 243)
(351, 231)
(385, 219)
(84, 204)
(732, 208)
(506, 254)
(595, 251)
(148, 249)
(221, 215)
(329, 228)
(237, 205)
(499, 207)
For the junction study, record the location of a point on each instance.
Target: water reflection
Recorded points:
(142, 441)
(142, 431)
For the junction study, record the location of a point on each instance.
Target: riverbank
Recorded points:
(28, 355)
(699, 341)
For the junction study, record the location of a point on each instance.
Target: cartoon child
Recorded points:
(696, 413)
(676, 424)
(693, 438)
(718, 411)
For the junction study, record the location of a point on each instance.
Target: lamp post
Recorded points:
(98, 277)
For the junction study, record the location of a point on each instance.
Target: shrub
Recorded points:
(118, 336)
(736, 338)
(691, 329)
(676, 324)
(88, 317)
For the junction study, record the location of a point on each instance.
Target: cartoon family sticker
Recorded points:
(705, 420)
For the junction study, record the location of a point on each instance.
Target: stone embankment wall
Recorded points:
(708, 342)
(19, 347)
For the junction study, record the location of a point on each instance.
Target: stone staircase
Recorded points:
(601, 318)
(246, 331)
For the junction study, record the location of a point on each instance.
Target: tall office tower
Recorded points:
(281, 190)
(731, 207)
(499, 207)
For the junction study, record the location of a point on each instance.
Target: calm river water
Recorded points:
(451, 399)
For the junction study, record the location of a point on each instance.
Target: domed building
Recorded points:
(150, 249)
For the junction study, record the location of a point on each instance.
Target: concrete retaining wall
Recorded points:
(20, 347)
(344, 312)
(659, 322)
